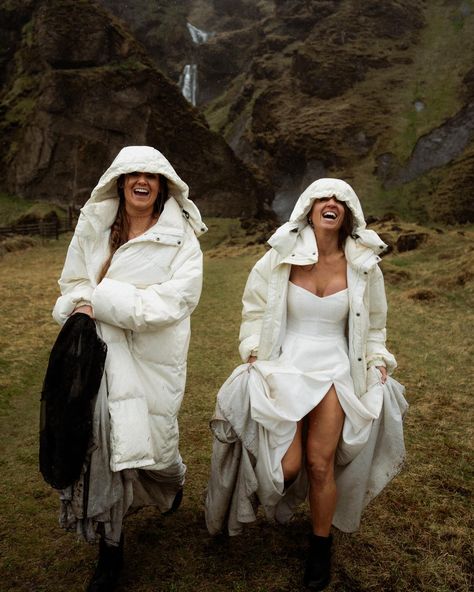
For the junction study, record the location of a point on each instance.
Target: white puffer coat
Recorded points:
(143, 307)
(264, 301)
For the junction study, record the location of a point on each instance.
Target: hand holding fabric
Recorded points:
(383, 372)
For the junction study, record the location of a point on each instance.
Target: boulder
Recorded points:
(410, 241)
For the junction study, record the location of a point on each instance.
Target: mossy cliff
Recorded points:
(379, 93)
(77, 87)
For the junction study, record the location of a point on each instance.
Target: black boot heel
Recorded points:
(108, 568)
(317, 572)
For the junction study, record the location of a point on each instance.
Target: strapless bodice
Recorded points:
(314, 316)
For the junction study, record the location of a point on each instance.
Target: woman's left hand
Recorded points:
(383, 372)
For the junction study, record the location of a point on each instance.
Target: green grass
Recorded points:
(415, 537)
(13, 207)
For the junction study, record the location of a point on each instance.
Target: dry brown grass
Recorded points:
(17, 243)
(416, 536)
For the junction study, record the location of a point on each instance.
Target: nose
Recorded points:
(332, 200)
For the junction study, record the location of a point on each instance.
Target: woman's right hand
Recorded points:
(252, 359)
(85, 308)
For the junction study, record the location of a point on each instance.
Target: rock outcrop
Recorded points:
(77, 87)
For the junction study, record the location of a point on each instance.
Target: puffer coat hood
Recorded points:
(147, 160)
(285, 237)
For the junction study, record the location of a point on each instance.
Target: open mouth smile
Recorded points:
(329, 215)
(141, 191)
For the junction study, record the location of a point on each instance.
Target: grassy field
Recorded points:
(416, 536)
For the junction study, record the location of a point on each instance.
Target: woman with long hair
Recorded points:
(135, 266)
(313, 331)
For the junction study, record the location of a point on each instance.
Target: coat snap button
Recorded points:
(357, 314)
(179, 242)
(359, 359)
(157, 238)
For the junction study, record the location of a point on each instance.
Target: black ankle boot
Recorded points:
(317, 572)
(108, 568)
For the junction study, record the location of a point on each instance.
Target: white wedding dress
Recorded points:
(314, 356)
(314, 352)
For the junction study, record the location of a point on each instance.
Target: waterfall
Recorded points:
(197, 35)
(188, 81)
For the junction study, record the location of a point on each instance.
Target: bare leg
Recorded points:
(291, 462)
(324, 429)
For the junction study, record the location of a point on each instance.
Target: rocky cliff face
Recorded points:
(77, 87)
(379, 93)
(375, 92)
(338, 87)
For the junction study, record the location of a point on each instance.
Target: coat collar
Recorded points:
(360, 256)
(299, 247)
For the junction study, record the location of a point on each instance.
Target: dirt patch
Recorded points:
(394, 275)
(411, 241)
(421, 294)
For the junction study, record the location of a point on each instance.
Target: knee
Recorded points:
(320, 469)
(291, 469)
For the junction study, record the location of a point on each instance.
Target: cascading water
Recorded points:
(188, 81)
(197, 35)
